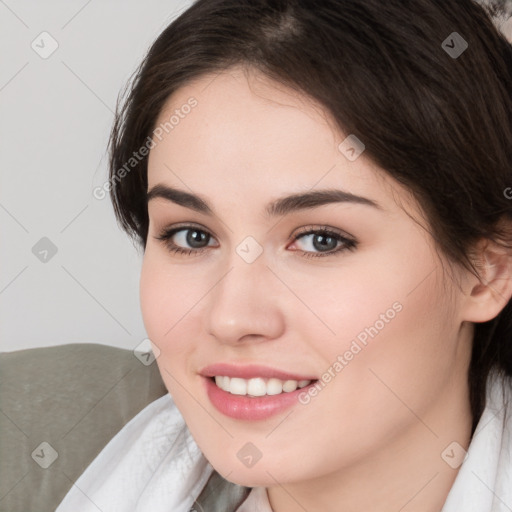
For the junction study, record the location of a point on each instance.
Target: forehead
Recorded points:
(250, 136)
(241, 114)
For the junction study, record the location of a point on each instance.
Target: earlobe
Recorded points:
(490, 294)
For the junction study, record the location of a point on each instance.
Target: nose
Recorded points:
(245, 305)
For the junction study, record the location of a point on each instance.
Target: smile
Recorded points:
(251, 407)
(258, 386)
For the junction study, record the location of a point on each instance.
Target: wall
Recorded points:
(68, 274)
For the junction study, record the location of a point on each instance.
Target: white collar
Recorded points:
(484, 481)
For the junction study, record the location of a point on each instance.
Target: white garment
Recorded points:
(154, 464)
(257, 501)
(484, 481)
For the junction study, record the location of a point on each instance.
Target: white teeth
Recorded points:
(290, 385)
(274, 386)
(238, 386)
(258, 386)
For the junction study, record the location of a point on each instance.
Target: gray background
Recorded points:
(55, 118)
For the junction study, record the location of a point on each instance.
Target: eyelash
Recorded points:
(347, 243)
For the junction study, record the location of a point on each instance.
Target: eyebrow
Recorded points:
(278, 207)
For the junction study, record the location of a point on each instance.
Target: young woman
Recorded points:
(323, 193)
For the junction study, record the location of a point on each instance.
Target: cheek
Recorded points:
(164, 308)
(389, 317)
(165, 299)
(397, 345)
(155, 299)
(372, 295)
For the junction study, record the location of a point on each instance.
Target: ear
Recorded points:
(488, 295)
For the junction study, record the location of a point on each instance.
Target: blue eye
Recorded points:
(326, 242)
(321, 242)
(196, 238)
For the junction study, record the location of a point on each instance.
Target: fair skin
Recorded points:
(372, 438)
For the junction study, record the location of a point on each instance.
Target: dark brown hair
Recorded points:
(438, 123)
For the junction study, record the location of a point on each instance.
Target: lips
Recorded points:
(253, 392)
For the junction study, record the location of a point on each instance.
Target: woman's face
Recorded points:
(301, 262)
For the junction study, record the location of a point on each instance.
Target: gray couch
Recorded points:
(59, 406)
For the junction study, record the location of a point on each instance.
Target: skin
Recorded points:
(387, 417)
